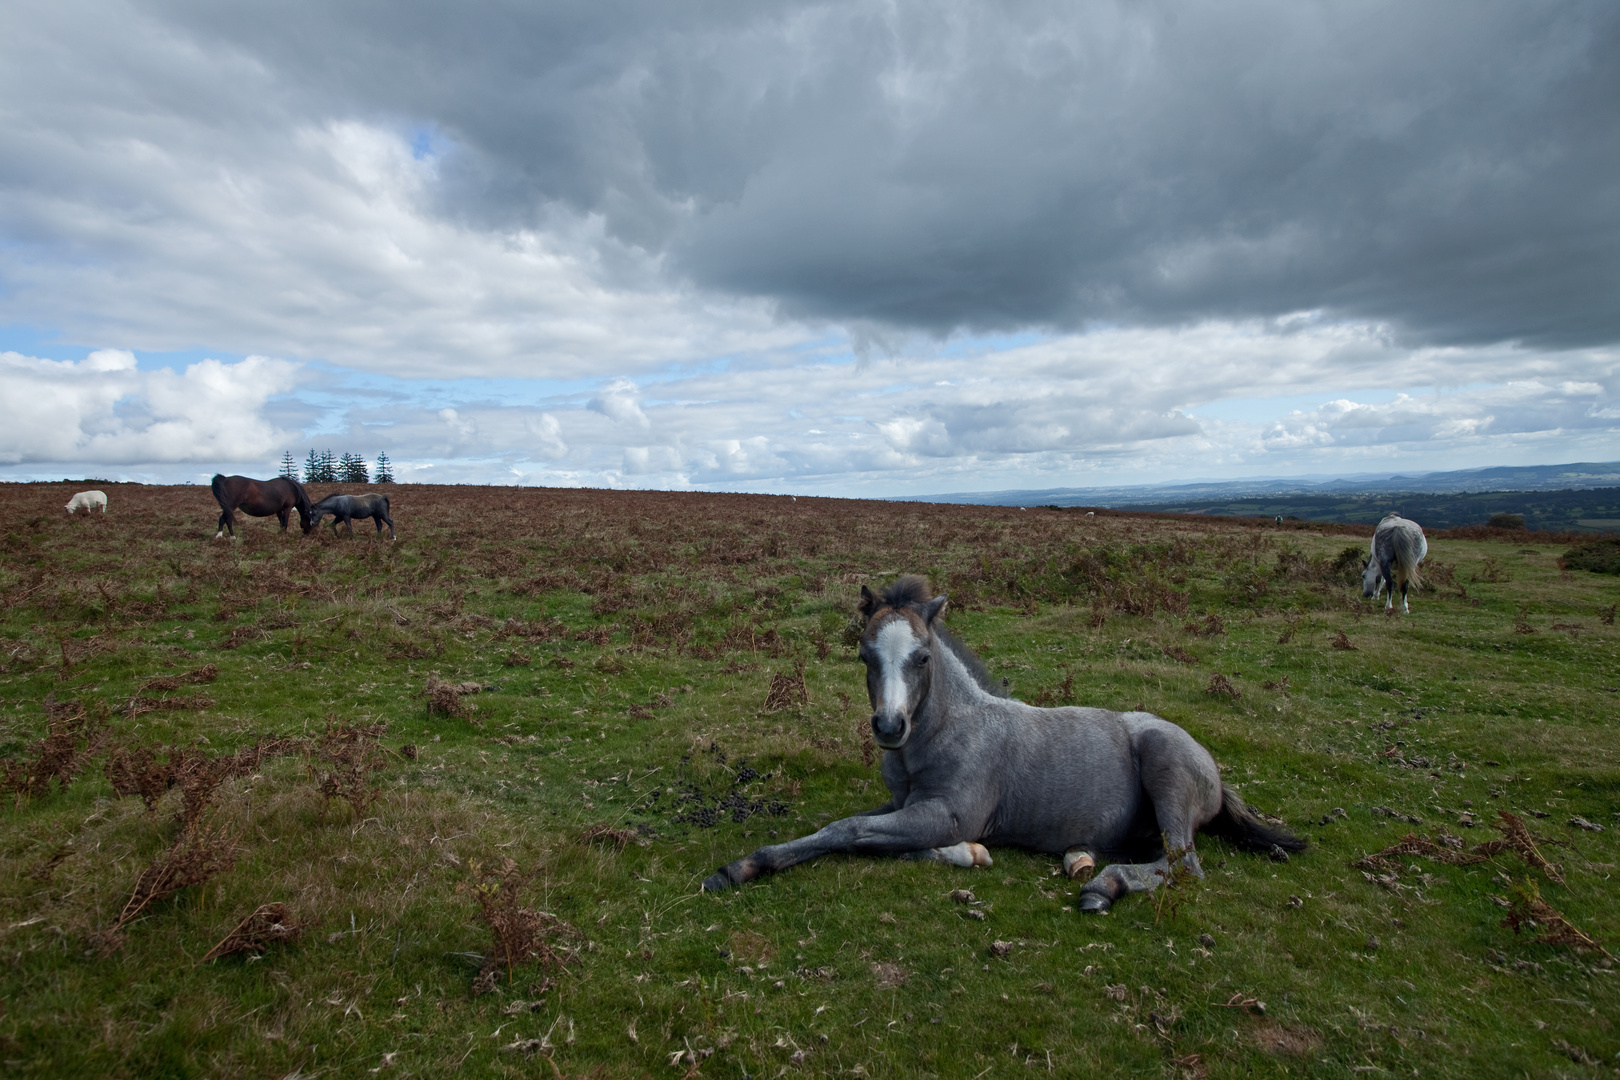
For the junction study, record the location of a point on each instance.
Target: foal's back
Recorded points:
(1073, 777)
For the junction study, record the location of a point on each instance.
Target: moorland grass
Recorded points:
(619, 749)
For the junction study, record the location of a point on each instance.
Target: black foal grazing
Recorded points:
(345, 508)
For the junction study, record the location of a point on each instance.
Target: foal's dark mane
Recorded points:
(912, 591)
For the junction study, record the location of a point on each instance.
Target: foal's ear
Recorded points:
(932, 609)
(868, 604)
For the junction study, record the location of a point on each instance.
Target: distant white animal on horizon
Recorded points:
(87, 500)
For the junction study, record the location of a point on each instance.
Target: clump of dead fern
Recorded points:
(787, 690)
(269, 924)
(444, 699)
(73, 734)
(352, 753)
(200, 852)
(521, 935)
(1528, 911)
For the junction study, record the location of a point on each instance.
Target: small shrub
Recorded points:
(1602, 557)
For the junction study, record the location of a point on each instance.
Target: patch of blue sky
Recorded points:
(337, 382)
(426, 142)
(46, 343)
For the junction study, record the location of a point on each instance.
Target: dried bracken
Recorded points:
(1220, 685)
(787, 690)
(138, 770)
(522, 935)
(352, 753)
(199, 853)
(268, 925)
(73, 734)
(1529, 911)
(1516, 837)
(165, 683)
(1342, 641)
(139, 704)
(444, 699)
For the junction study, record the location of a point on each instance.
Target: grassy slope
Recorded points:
(785, 972)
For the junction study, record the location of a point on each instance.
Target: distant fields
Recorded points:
(663, 682)
(1593, 509)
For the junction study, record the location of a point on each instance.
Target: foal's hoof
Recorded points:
(1095, 903)
(717, 881)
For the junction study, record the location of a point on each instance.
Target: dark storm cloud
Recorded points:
(1452, 169)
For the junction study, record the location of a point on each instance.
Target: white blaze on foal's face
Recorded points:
(895, 660)
(894, 648)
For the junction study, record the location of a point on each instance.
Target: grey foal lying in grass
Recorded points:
(968, 766)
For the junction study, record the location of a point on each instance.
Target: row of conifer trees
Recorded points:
(322, 467)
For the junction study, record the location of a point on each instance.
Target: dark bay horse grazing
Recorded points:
(345, 508)
(1398, 545)
(968, 767)
(259, 498)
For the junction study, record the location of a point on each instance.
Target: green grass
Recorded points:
(847, 966)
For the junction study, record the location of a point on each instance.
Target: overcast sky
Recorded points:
(853, 248)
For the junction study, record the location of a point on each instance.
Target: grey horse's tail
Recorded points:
(1243, 827)
(1409, 548)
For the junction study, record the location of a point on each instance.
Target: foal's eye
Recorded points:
(921, 660)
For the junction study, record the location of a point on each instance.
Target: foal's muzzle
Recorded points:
(889, 730)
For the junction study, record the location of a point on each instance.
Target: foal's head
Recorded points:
(896, 649)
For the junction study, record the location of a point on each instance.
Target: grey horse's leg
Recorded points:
(914, 828)
(967, 854)
(1183, 800)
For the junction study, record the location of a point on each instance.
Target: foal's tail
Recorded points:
(1243, 827)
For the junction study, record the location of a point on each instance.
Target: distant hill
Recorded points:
(1584, 496)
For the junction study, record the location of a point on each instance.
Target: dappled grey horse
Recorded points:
(1398, 545)
(969, 767)
(345, 508)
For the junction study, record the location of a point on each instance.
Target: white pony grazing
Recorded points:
(1398, 545)
(88, 500)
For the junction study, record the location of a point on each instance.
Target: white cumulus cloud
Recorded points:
(106, 409)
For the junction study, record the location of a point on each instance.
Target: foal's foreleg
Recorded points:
(913, 828)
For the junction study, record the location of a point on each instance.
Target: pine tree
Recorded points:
(289, 467)
(385, 470)
(312, 468)
(329, 473)
(354, 469)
